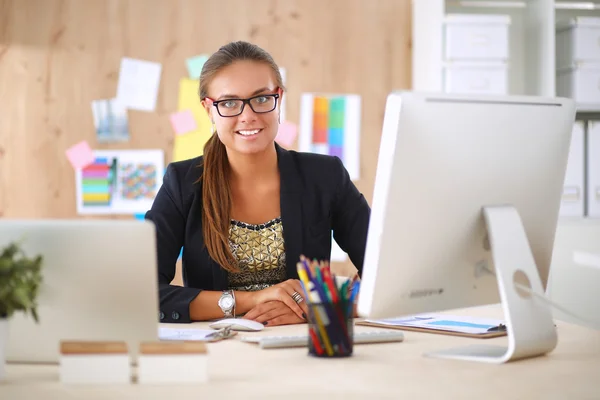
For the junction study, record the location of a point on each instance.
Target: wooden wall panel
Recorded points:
(56, 56)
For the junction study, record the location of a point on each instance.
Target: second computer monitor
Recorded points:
(443, 159)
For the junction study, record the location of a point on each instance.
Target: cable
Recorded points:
(546, 300)
(549, 302)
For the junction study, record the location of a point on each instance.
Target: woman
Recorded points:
(247, 209)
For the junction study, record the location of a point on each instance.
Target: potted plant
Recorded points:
(20, 279)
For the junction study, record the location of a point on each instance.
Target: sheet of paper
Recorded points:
(286, 135)
(195, 64)
(110, 120)
(189, 145)
(183, 122)
(119, 182)
(138, 85)
(330, 124)
(80, 155)
(443, 322)
(165, 333)
(189, 100)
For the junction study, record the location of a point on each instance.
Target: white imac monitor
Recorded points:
(99, 283)
(466, 200)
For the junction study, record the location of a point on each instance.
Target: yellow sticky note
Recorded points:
(190, 100)
(190, 145)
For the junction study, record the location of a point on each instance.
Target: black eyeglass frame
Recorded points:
(244, 102)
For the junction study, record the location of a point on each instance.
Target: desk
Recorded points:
(391, 370)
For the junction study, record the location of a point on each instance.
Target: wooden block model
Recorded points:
(172, 362)
(91, 362)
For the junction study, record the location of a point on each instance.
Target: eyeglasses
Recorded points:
(260, 104)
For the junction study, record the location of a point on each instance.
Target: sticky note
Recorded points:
(190, 145)
(80, 155)
(190, 100)
(183, 122)
(195, 64)
(286, 135)
(138, 85)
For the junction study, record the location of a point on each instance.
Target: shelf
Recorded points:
(559, 5)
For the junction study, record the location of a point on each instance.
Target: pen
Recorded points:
(499, 328)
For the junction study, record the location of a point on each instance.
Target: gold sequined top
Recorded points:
(260, 253)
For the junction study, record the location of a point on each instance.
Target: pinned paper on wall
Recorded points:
(195, 64)
(138, 85)
(80, 155)
(330, 124)
(189, 99)
(286, 134)
(119, 182)
(110, 120)
(183, 122)
(191, 144)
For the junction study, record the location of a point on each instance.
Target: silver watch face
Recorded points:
(227, 302)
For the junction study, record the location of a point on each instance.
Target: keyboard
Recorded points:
(275, 342)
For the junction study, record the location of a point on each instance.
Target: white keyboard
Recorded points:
(274, 342)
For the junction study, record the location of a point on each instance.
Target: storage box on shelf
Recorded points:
(476, 54)
(572, 202)
(593, 169)
(476, 78)
(578, 61)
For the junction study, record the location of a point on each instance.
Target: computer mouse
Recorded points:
(238, 324)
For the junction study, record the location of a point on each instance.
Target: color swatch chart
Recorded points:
(119, 182)
(330, 125)
(98, 182)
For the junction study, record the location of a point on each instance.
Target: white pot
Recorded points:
(3, 345)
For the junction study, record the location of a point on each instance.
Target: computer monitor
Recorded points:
(99, 283)
(467, 187)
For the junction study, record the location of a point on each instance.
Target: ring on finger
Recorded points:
(297, 297)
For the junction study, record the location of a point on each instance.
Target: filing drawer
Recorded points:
(476, 37)
(476, 78)
(577, 42)
(581, 83)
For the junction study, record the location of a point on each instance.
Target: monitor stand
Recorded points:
(529, 325)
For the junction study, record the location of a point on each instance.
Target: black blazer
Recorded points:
(317, 196)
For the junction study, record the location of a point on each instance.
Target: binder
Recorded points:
(593, 169)
(572, 201)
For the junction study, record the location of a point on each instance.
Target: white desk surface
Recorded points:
(397, 370)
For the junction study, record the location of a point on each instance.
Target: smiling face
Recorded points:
(252, 131)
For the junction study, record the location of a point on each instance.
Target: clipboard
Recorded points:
(496, 331)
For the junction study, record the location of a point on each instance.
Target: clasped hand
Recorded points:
(276, 306)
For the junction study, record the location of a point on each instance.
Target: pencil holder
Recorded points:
(330, 329)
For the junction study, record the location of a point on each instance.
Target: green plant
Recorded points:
(20, 279)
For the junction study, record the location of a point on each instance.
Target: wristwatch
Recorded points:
(227, 303)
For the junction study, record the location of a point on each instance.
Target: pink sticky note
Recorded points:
(80, 155)
(286, 134)
(183, 122)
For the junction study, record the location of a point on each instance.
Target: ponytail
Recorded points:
(216, 203)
